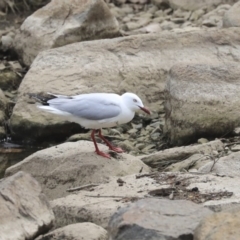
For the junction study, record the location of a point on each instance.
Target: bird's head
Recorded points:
(134, 102)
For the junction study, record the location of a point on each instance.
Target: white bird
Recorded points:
(94, 111)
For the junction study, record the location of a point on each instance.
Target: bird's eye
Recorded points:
(135, 100)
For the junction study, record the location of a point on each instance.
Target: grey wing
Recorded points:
(92, 109)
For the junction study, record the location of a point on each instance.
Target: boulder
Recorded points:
(191, 5)
(25, 211)
(218, 226)
(75, 164)
(137, 64)
(232, 16)
(156, 219)
(78, 231)
(62, 22)
(170, 156)
(199, 98)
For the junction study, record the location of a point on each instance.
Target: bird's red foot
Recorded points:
(116, 149)
(103, 154)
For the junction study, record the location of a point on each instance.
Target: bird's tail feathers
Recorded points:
(53, 110)
(59, 96)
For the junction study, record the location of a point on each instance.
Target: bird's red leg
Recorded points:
(96, 146)
(111, 147)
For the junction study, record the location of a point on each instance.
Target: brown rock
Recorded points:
(218, 226)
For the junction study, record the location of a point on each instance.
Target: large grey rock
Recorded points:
(78, 231)
(156, 219)
(232, 16)
(62, 22)
(172, 155)
(218, 226)
(202, 100)
(24, 210)
(137, 63)
(75, 164)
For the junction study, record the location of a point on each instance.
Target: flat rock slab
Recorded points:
(78, 231)
(99, 203)
(75, 164)
(157, 219)
(137, 64)
(202, 100)
(24, 210)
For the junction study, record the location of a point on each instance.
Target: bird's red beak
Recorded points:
(145, 110)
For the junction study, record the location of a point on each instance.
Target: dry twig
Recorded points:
(82, 187)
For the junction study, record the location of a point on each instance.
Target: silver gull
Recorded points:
(94, 111)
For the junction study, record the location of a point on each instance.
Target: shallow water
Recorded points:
(12, 153)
